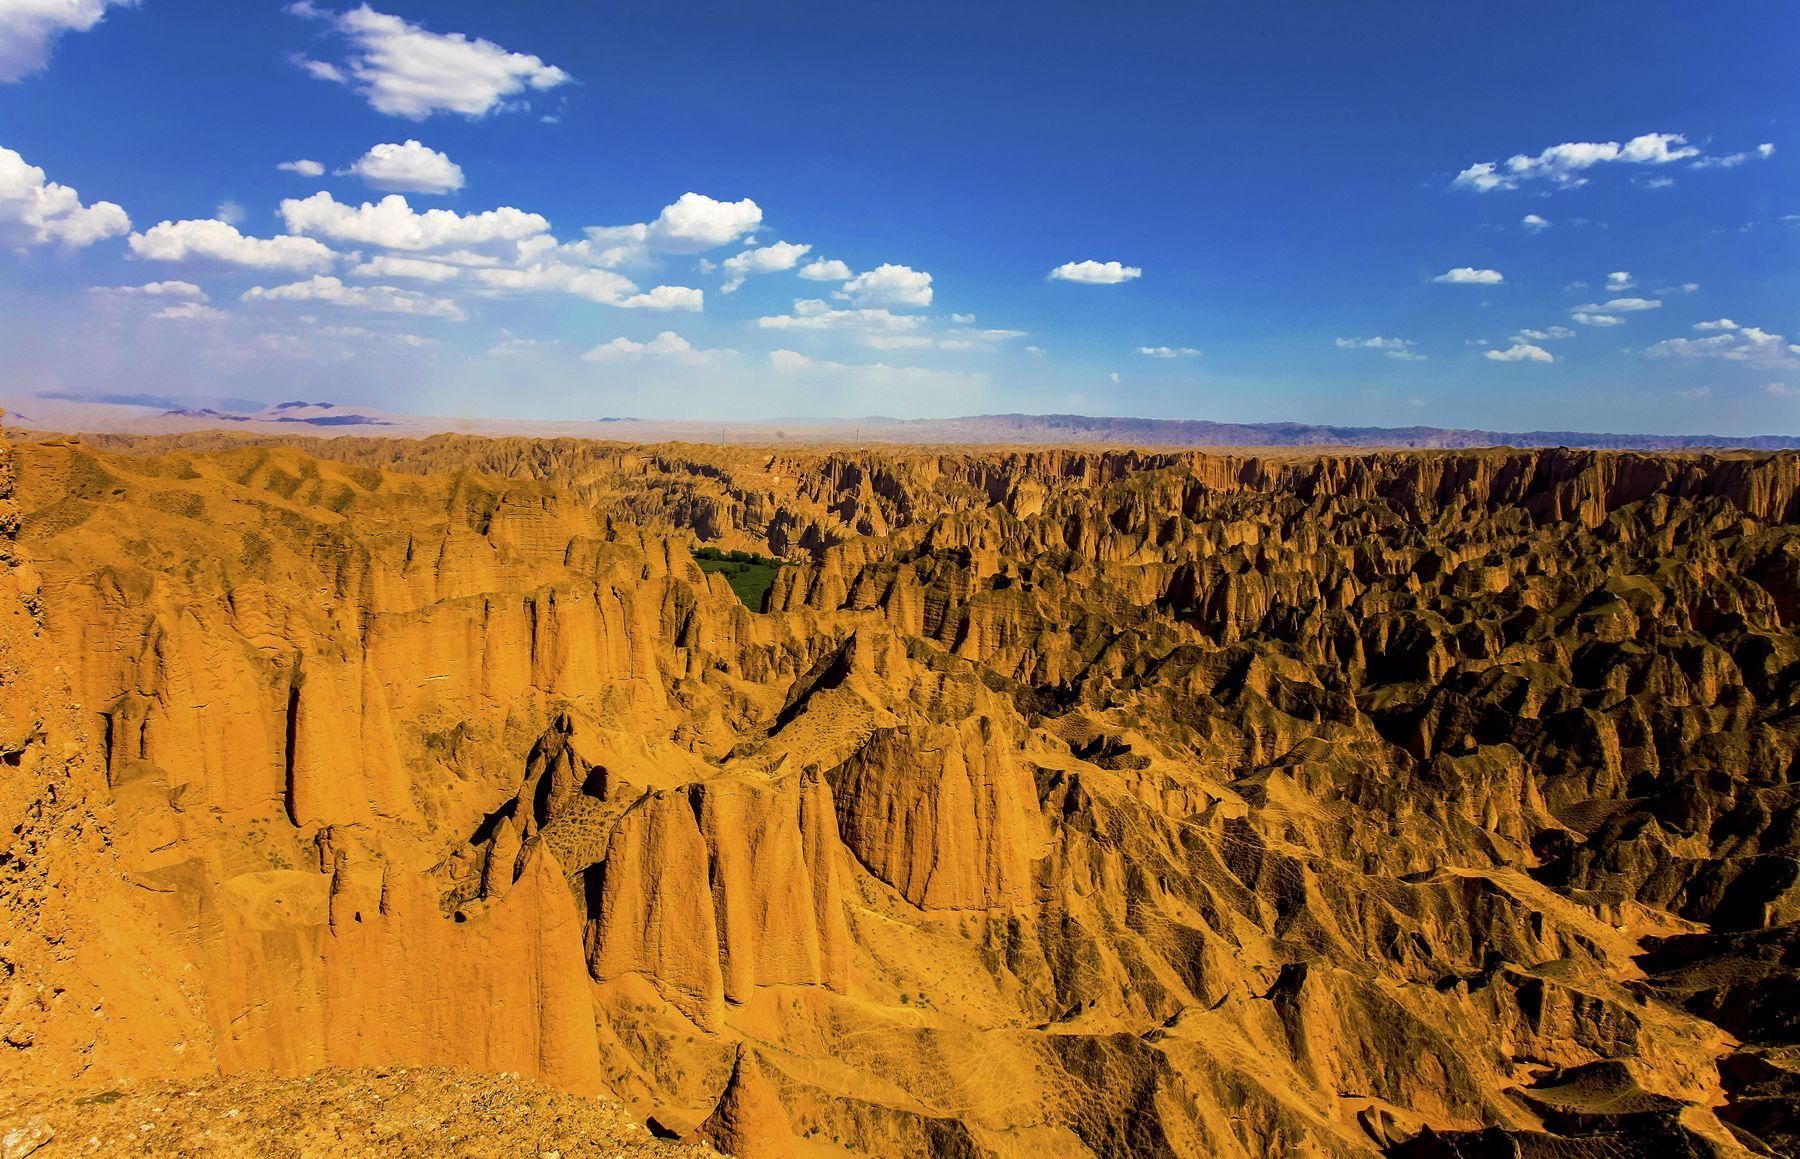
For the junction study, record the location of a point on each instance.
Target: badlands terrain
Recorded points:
(1051, 803)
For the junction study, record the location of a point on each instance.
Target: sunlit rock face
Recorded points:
(1061, 804)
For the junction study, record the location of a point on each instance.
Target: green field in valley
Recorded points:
(750, 575)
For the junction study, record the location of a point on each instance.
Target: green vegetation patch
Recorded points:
(750, 575)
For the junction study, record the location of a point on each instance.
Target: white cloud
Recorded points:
(1587, 318)
(824, 270)
(1373, 343)
(1168, 351)
(813, 314)
(1534, 223)
(1521, 352)
(416, 269)
(409, 168)
(898, 341)
(665, 298)
(767, 259)
(1620, 306)
(1546, 335)
(303, 167)
(1733, 160)
(1095, 273)
(667, 346)
(378, 299)
(963, 319)
(1470, 276)
(1620, 280)
(979, 339)
(1563, 165)
(890, 285)
(29, 29)
(37, 211)
(1403, 355)
(1779, 390)
(393, 224)
(1747, 344)
(191, 312)
(155, 290)
(211, 240)
(696, 222)
(1716, 324)
(1113, 377)
(405, 71)
(1766, 149)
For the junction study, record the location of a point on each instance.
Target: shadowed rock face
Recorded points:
(1063, 803)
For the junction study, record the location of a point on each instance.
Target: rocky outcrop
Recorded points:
(1063, 802)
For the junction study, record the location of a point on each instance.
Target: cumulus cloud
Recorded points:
(1746, 344)
(29, 30)
(377, 299)
(391, 223)
(665, 298)
(1548, 334)
(410, 167)
(667, 346)
(1563, 165)
(403, 70)
(1170, 351)
(1469, 276)
(1620, 280)
(890, 285)
(1588, 318)
(207, 239)
(1521, 352)
(1376, 343)
(37, 211)
(1534, 223)
(825, 270)
(767, 259)
(303, 167)
(1716, 324)
(1779, 390)
(696, 222)
(1733, 160)
(980, 339)
(1095, 273)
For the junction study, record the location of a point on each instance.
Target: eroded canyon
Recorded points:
(1058, 803)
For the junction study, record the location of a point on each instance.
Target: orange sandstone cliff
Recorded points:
(1056, 804)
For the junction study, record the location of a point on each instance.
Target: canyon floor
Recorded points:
(425, 796)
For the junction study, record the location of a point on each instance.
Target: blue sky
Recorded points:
(1235, 211)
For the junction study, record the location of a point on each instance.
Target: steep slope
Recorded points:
(1063, 803)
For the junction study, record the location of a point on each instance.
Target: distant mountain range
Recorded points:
(155, 414)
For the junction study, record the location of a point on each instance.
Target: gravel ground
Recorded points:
(388, 1111)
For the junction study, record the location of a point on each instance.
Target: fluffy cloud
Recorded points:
(666, 346)
(414, 269)
(405, 71)
(1733, 160)
(302, 167)
(813, 314)
(29, 28)
(980, 339)
(1521, 352)
(155, 290)
(1716, 324)
(767, 259)
(1546, 335)
(393, 224)
(1779, 390)
(1095, 273)
(1620, 280)
(1469, 276)
(210, 240)
(37, 211)
(1534, 223)
(696, 222)
(890, 285)
(1587, 318)
(665, 298)
(1563, 165)
(409, 168)
(377, 299)
(1747, 344)
(824, 270)
(1174, 351)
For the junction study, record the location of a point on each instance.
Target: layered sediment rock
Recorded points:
(1062, 803)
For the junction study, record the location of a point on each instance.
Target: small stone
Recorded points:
(23, 1140)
